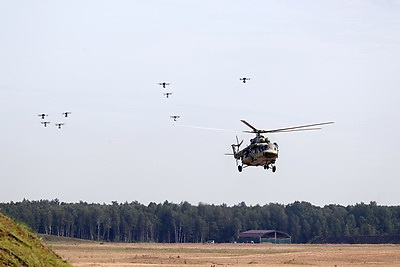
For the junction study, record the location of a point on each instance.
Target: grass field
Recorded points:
(145, 254)
(19, 247)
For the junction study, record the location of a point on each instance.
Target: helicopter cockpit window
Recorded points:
(273, 146)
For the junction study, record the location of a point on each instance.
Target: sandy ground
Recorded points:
(213, 255)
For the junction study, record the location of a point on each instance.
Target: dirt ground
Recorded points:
(213, 255)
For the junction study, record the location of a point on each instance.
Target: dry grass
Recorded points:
(144, 254)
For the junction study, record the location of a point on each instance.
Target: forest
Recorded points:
(186, 223)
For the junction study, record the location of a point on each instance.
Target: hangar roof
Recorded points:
(263, 234)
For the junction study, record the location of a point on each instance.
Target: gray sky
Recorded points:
(310, 61)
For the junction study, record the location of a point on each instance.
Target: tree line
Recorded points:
(183, 223)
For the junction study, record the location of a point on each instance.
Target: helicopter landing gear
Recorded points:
(240, 168)
(267, 166)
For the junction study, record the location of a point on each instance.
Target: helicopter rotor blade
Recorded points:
(285, 131)
(297, 128)
(289, 129)
(251, 126)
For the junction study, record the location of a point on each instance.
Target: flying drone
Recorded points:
(66, 113)
(164, 84)
(244, 79)
(43, 115)
(175, 117)
(167, 95)
(45, 123)
(59, 125)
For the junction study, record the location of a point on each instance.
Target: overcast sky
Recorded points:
(309, 62)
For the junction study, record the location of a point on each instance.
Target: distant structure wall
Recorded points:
(264, 236)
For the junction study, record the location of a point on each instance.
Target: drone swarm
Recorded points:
(168, 95)
(59, 124)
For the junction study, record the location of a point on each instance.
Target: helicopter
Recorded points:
(261, 151)
(244, 79)
(163, 84)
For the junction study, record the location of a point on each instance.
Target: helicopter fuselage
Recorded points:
(261, 152)
(259, 155)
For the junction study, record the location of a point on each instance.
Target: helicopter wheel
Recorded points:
(240, 168)
(266, 167)
(274, 168)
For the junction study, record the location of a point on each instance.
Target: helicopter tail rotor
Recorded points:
(237, 142)
(236, 148)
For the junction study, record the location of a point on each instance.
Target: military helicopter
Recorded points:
(45, 123)
(261, 152)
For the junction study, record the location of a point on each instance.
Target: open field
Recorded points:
(145, 254)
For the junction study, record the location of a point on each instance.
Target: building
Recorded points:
(264, 236)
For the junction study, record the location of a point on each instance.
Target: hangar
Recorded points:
(264, 236)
